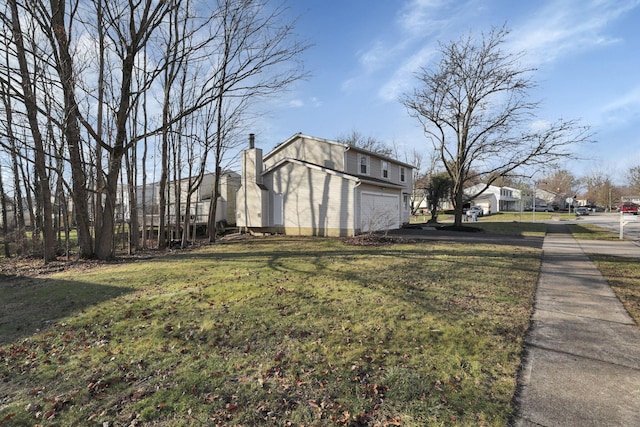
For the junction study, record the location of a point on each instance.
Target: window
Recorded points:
(402, 174)
(385, 169)
(364, 165)
(405, 201)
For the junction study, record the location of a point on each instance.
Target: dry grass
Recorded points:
(275, 331)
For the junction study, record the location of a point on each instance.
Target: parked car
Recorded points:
(582, 211)
(628, 207)
(475, 209)
(539, 208)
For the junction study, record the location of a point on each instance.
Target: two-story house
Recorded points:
(148, 201)
(496, 199)
(317, 187)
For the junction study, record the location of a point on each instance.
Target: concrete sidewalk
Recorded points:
(582, 365)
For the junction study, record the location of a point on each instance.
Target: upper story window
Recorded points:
(403, 174)
(385, 169)
(364, 165)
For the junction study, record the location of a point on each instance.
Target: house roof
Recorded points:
(297, 136)
(357, 178)
(328, 141)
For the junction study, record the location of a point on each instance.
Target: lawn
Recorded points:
(505, 217)
(271, 331)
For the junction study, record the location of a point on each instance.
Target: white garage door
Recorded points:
(379, 212)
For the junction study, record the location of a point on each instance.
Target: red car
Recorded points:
(629, 207)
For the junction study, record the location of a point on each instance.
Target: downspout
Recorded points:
(355, 191)
(355, 206)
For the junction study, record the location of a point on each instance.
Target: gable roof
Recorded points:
(340, 144)
(298, 136)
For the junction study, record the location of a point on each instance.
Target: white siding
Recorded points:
(314, 202)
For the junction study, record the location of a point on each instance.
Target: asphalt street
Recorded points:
(611, 221)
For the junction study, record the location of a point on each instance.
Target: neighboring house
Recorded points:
(632, 199)
(200, 201)
(58, 212)
(546, 197)
(496, 199)
(317, 187)
(421, 204)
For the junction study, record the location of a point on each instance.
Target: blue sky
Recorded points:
(365, 54)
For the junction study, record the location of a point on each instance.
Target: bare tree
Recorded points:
(98, 104)
(11, 147)
(31, 105)
(258, 56)
(633, 177)
(4, 217)
(474, 109)
(356, 139)
(59, 38)
(559, 181)
(599, 188)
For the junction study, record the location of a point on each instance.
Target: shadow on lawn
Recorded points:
(409, 261)
(31, 304)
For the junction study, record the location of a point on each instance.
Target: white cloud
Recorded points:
(296, 103)
(404, 77)
(565, 27)
(539, 125)
(417, 24)
(421, 17)
(374, 57)
(623, 109)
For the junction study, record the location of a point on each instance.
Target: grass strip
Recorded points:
(623, 275)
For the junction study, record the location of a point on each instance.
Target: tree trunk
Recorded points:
(72, 130)
(105, 236)
(20, 235)
(5, 222)
(133, 202)
(48, 236)
(186, 224)
(30, 195)
(162, 202)
(213, 207)
(458, 203)
(105, 244)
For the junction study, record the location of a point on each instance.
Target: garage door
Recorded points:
(379, 212)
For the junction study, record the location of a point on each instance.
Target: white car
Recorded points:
(475, 209)
(581, 211)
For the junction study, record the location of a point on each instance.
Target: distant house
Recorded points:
(496, 199)
(317, 187)
(632, 199)
(200, 201)
(546, 197)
